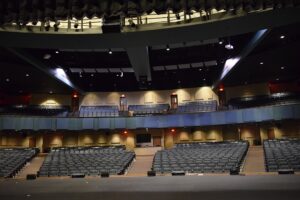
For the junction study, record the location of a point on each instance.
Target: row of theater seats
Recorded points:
(282, 154)
(99, 111)
(197, 106)
(86, 160)
(35, 110)
(150, 109)
(12, 160)
(204, 157)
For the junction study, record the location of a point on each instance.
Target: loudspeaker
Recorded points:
(234, 171)
(286, 171)
(151, 173)
(178, 173)
(104, 174)
(78, 175)
(111, 24)
(31, 176)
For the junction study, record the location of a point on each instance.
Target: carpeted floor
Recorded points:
(144, 188)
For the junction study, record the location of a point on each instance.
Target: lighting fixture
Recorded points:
(27, 75)
(168, 48)
(229, 46)
(47, 25)
(76, 24)
(282, 37)
(110, 51)
(261, 63)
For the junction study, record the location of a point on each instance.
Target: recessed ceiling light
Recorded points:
(261, 63)
(27, 75)
(7, 79)
(47, 56)
(282, 67)
(282, 37)
(168, 48)
(229, 46)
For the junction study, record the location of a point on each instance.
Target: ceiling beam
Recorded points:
(139, 59)
(202, 30)
(54, 72)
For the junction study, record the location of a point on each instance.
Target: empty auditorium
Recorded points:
(149, 99)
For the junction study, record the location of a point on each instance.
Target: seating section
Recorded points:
(197, 106)
(35, 110)
(205, 157)
(282, 154)
(90, 161)
(99, 111)
(149, 109)
(12, 160)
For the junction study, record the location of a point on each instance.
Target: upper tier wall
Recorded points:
(151, 97)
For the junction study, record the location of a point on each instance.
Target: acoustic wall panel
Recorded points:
(44, 123)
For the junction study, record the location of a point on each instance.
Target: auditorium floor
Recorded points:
(144, 188)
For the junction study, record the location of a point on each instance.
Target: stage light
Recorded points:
(47, 25)
(131, 23)
(56, 25)
(76, 24)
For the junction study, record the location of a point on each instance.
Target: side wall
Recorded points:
(250, 132)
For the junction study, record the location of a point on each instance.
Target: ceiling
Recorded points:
(175, 65)
(275, 59)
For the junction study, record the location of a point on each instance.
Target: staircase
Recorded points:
(32, 167)
(254, 161)
(141, 166)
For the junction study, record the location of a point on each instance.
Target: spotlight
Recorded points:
(47, 25)
(76, 24)
(56, 25)
(34, 23)
(177, 16)
(131, 23)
